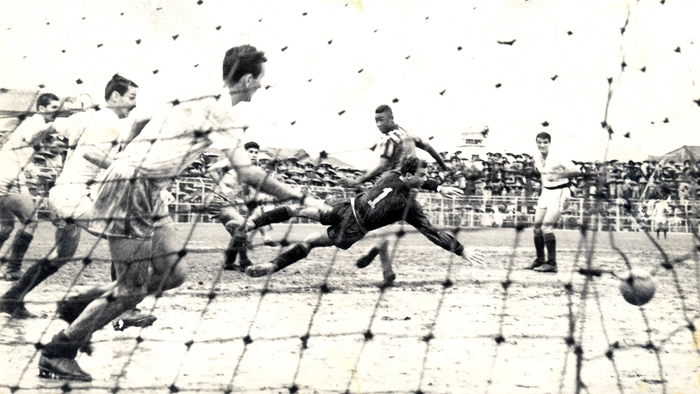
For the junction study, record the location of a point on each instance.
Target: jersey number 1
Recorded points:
(380, 197)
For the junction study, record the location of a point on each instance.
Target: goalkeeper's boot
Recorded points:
(367, 259)
(133, 318)
(258, 270)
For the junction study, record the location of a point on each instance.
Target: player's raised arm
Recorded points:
(420, 144)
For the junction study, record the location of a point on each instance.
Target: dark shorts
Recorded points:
(344, 230)
(127, 206)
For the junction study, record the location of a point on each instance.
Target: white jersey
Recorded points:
(551, 170)
(73, 126)
(100, 129)
(175, 138)
(17, 151)
(661, 210)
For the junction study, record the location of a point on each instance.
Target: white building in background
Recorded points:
(473, 143)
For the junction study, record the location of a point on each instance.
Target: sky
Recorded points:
(517, 67)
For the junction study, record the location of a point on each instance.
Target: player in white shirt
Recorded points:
(130, 213)
(555, 173)
(15, 154)
(95, 138)
(661, 211)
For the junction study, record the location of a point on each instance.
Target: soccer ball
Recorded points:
(637, 286)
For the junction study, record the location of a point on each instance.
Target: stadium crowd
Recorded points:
(511, 175)
(497, 174)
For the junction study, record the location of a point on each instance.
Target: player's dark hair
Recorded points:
(411, 164)
(384, 109)
(45, 99)
(242, 60)
(118, 84)
(251, 144)
(544, 136)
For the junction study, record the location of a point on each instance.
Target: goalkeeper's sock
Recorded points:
(277, 215)
(4, 237)
(298, 252)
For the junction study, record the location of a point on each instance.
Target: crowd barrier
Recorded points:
(480, 211)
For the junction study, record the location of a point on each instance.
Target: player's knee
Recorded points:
(6, 229)
(176, 277)
(230, 214)
(30, 225)
(130, 292)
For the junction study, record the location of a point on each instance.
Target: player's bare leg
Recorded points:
(166, 272)
(22, 207)
(291, 256)
(58, 356)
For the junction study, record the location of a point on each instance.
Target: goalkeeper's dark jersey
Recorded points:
(390, 201)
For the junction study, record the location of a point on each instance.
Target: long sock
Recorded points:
(61, 346)
(4, 237)
(291, 256)
(550, 242)
(242, 244)
(231, 252)
(277, 215)
(539, 246)
(238, 246)
(70, 308)
(19, 247)
(36, 274)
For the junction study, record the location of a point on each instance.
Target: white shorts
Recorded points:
(70, 202)
(554, 199)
